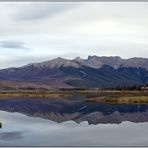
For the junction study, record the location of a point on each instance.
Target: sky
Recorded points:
(34, 32)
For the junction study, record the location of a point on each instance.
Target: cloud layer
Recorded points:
(12, 44)
(35, 11)
(71, 29)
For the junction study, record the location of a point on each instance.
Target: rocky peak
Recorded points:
(94, 62)
(55, 63)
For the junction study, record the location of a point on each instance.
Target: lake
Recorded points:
(51, 122)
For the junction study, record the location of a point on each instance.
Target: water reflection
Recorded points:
(11, 135)
(29, 122)
(30, 131)
(76, 110)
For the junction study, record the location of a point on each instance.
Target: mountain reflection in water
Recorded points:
(76, 110)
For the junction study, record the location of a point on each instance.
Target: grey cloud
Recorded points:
(11, 135)
(12, 44)
(43, 10)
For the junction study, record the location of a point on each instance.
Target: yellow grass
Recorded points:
(118, 97)
(34, 94)
(120, 100)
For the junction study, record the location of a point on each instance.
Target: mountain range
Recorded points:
(77, 73)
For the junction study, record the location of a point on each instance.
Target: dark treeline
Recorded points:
(73, 89)
(120, 88)
(130, 88)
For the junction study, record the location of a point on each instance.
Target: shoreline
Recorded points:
(100, 96)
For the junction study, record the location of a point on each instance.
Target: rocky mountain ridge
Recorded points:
(94, 62)
(91, 72)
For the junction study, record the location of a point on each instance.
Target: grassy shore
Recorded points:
(109, 96)
(35, 94)
(121, 100)
(120, 97)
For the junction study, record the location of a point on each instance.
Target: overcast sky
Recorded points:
(34, 32)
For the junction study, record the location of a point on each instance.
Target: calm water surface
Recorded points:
(42, 122)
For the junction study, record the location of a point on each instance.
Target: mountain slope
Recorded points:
(92, 72)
